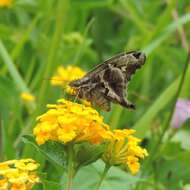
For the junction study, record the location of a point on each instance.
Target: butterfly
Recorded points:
(107, 82)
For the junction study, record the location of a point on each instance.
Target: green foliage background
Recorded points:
(33, 44)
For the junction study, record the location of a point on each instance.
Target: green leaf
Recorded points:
(54, 151)
(47, 185)
(115, 179)
(174, 172)
(183, 136)
(87, 153)
(170, 149)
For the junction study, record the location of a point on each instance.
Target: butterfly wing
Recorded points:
(90, 78)
(115, 83)
(99, 100)
(98, 70)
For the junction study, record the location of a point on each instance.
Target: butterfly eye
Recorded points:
(137, 54)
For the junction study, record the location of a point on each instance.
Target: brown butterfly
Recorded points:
(108, 81)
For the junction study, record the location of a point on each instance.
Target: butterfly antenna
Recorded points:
(52, 79)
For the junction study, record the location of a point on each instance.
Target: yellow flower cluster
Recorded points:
(65, 75)
(72, 122)
(5, 3)
(27, 97)
(124, 150)
(18, 174)
(68, 121)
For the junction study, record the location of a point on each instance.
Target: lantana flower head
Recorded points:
(71, 122)
(66, 74)
(124, 150)
(18, 174)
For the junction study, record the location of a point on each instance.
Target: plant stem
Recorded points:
(167, 124)
(107, 167)
(71, 172)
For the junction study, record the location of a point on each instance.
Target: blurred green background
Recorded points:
(37, 36)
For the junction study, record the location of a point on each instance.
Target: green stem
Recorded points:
(107, 167)
(115, 117)
(71, 172)
(167, 124)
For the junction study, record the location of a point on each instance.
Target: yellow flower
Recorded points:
(65, 75)
(27, 97)
(5, 3)
(124, 150)
(3, 184)
(68, 121)
(18, 174)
